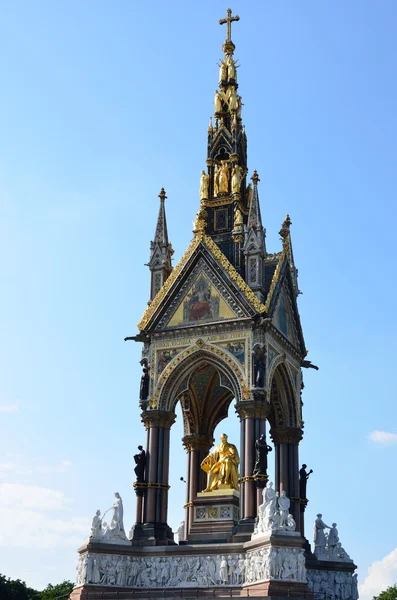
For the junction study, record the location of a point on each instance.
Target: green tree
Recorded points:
(54, 591)
(16, 590)
(389, 594)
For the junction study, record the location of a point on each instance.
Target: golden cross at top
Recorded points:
(228, 22)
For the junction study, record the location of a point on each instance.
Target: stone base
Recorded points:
(150, 534)
(264, 590)
(215, 515)
(244, 530)
(272, 566)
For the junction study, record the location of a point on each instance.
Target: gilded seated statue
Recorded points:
(221, 466)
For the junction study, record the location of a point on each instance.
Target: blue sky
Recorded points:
(104, 103)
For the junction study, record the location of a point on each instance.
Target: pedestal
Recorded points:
(215, 515)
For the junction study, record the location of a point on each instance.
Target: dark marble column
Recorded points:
(197, 447)
(286, 441)
(155, 499)
(252, 415)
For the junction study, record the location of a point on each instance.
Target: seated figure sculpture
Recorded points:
(221, 466)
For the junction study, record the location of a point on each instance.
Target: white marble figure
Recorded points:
(181, 531)
(223, 574)
(114, 533)
(291, 524)
(273, 513)
(341, 553)
(332, 541)
(96, 526)
(319, 539)
(283, 507)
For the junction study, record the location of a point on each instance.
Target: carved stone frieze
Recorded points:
(199, 571)
(338, 585)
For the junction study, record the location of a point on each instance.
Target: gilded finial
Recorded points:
(284, 231)
(255, 177)
(210, 127)
(228, 47)
(162, 195)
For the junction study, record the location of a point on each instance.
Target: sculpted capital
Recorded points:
(158, 418)
(286, 435)
(250, 409)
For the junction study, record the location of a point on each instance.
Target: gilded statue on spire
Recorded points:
(204, 183)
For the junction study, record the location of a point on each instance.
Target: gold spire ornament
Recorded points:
(228, 47)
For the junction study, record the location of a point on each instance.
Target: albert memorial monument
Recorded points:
(221, 332)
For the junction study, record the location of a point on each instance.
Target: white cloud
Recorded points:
(30, 520)
(383, 437)
(8, 408)
(31, 496)
(381, 574)
(61, 467)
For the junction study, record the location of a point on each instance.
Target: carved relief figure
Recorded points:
(221, 466)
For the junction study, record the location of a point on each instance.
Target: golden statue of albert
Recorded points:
(221, 466)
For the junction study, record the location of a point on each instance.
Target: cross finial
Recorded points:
(228, 22)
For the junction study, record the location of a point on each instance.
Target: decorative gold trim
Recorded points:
(188, 505)
(234, 276)
(159, 486)
(168, 283)
(215, 203)
(228, 267)
(276, 276)
(247, 478)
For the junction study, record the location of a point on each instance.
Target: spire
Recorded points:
(160, 263)
(285, 235)
(254, 243)
(161, 235)
(223, 191)
(254, 215)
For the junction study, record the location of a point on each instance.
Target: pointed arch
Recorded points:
(282, 396)
(223, 381)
